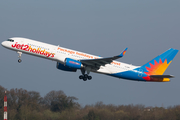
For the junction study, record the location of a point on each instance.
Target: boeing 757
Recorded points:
(71, 61)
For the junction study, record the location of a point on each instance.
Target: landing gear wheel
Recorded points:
(81, 77)
(19, 60)
(84, 78)
(89, 77)
(86, 75)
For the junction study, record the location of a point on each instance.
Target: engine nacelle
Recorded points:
(65, 68)
(72, 63)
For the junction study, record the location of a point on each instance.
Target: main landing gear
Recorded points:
(85, 76)
(20, 53)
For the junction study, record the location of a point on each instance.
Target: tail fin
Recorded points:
(158, 65)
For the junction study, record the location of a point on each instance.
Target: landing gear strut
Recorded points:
(85, 76)
(20, 53)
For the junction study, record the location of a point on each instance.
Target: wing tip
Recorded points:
(123, 53)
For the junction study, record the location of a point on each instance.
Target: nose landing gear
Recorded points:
(20, 53)
(19, 60)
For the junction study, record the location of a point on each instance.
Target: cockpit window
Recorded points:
(10, 40)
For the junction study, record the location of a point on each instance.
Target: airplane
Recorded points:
(71, 61)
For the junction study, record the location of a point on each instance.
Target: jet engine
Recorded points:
(65, 68)
(71, 63)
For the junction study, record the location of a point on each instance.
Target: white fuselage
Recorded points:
(59, 54)
(71, 60)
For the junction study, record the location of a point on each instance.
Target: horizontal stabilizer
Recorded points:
(161, 76)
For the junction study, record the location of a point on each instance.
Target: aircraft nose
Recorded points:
(3, 43)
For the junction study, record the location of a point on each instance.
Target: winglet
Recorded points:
(123, 53)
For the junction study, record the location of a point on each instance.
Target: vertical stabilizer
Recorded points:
(158, 65)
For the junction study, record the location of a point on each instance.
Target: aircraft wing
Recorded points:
(102, 61)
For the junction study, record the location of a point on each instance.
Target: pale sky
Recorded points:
(99, 27)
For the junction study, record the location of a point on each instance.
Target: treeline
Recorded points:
(56, 105)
